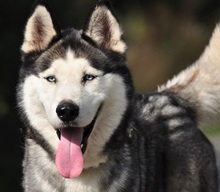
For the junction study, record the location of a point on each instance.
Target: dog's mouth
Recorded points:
(72, 146)
(86, 133)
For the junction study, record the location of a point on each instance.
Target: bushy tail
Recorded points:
(200, 83)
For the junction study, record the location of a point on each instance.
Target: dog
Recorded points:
(87, 130)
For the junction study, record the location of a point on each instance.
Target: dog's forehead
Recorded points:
(71, 44)
(70, 64)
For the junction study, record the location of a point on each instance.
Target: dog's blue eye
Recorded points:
(51, 79)
(88, 77)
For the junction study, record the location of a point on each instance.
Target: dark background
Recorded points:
(164, 36)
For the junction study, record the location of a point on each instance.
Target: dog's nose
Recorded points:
(67, 111)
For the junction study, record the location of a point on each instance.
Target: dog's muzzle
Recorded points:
(68, 112)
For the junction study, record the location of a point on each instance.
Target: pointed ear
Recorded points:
(40, 29)
(103, 28)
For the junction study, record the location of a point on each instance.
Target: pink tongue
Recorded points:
(69, 158)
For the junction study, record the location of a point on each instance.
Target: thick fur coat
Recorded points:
(87, 130)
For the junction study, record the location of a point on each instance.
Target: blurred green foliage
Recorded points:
(164, 36)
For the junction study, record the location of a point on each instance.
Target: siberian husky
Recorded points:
(86, 128)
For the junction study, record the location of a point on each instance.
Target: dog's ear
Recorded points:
(103, 28)
(40, 29)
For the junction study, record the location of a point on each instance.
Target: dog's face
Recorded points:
(70, 70)
(72, 79)
(72, 91)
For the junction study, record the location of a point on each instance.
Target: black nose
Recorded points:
(67, 111)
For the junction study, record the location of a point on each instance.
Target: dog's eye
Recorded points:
(51, 79)
(88, 77)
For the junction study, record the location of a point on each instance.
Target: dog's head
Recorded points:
(74, 79)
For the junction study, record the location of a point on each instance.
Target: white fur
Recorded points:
(87, 182)
(108, 120)
(69, 73)
(200, 83)
(41, 18)
(40, 102)
(40, 99)
(44, 162)
(35, 110)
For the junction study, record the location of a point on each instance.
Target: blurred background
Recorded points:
(163, 36)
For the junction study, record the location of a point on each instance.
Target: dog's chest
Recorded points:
(88, 181)
(77, 186)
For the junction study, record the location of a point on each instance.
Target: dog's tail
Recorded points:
(200, 83)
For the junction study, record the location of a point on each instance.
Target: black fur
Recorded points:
(154, 160)
(157, 146)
